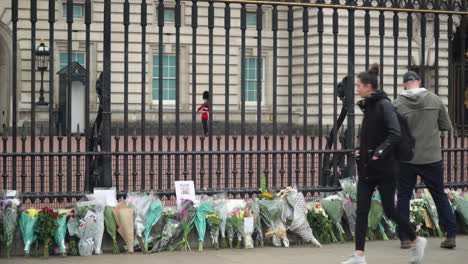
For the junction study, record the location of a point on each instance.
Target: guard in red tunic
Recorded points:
(205, 108)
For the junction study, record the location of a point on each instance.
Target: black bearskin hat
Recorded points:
(206, 95)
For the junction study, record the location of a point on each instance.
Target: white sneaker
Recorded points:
(417, 250)
(355, 259)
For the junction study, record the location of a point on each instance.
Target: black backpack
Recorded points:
(404, 150)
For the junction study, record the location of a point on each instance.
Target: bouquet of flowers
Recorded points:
(375, 218)
(8, 218)
(242, 221)
(214, 222)
(86, 231)
(28, 221)
(349, 188)
(152, 217)
(186, 218)
(200, 221)
(123, 215)
(350, 212)
(418, 216)
(141, 204)
(220, 209)
(299, 223)
(460, 204)
(111, 227)
(432, 210)
(61, 231)
(321, 225)
(333, 205)
(271, 212)
(254, 207)
(46, 227)
(230, 232)
(170, 232)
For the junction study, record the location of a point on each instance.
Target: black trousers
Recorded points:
(205, 126)
(365, 190)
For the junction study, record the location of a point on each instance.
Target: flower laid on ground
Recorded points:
(271, 212)
(171, 231)
(123, 215)
(460, 204)
(418, 217)
(333, 205)
(111, 227)
(152, 217)
(349, 188)
(242, 221)
(254, 207)
(141, 204)
(73, 230)
(8, 218)
(230, 232)
(186, 217)
(321, 225)
(299, 224)
(350, 208)
(61, 232)
(28, 221)
(200, 221)
(86, 232)
(432, 210)
(46, 227)
(214, 223)
(220, 209)
(375, 216)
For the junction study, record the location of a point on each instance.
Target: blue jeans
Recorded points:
(432, 175)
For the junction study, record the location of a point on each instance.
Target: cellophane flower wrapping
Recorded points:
(124, 217)
(186, 217)
(87, 232)
(73, 225)
(333, 205)
(460, 204)
(432, 210)
(350, 208)
(28, 221)
(220, 208)
(61, 232)
(271, 212)
(417, 217)
(9, 218)
(230, 231)
(374, 218)
(141, 204)
(214, 222)
(97, 207)
(170, 232)
(152, 217)
(321, 224)
(254, 207)
(111, 227)
(349, 188)
(200, 221)
(299, 224)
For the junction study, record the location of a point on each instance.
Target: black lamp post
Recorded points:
(42, 59)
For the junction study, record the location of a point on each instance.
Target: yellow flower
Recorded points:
(267, 195)
(63, 212)
(31, 213)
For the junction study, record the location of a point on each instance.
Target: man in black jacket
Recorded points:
(377, 165)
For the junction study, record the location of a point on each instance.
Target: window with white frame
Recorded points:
(251, 72)
(168, 78)
(169, 14)
(251, 19)
(76, 57)
(78, 11)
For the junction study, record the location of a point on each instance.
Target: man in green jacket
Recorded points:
(426, 116)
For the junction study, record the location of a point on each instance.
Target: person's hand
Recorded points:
(357, 153)
(375, 158)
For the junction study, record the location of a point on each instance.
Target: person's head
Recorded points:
(367, 82)
(411, 80)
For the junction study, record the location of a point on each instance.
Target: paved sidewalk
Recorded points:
(379, 252)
